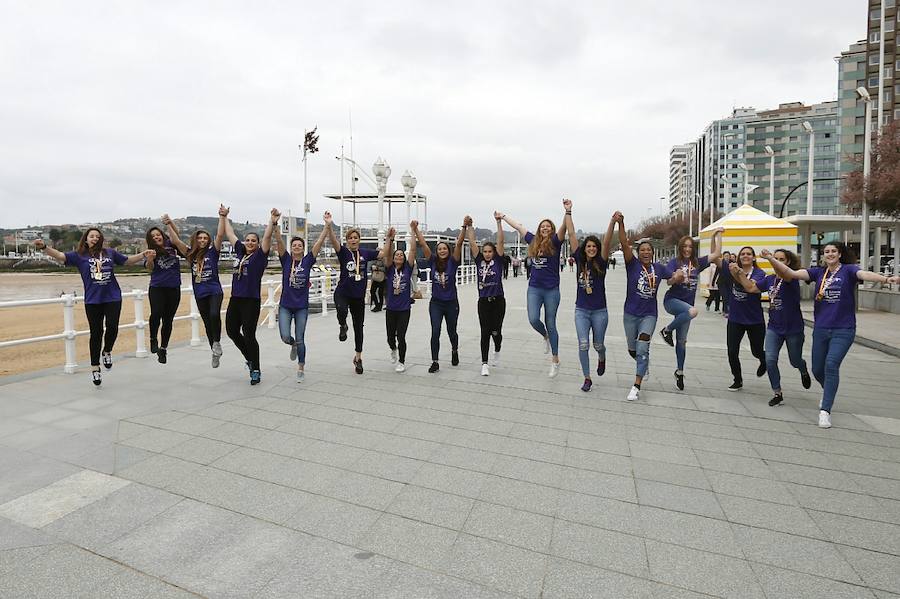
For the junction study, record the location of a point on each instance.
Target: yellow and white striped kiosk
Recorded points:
(748, 226)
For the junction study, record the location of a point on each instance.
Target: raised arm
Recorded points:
(326, 231)
(220, 228)
(266, 243)
(715, 246)
(623, 237)
(173, 235)
(561, 232)
(279, 242)
(386, 253)
(460, 240)
(411, 252)
(229, 229)
(500, 234)
(54, 253)
(738, 274)
(783, 270)
(569, 226)
(420, 238)
(608, 238)
(874, 277)
(517, 226)
(470, 233)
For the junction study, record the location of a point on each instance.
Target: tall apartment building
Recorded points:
(889, 68)
(782, 130)
(851, 111)
(677, 175)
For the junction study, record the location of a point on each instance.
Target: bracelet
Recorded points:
(568, 213)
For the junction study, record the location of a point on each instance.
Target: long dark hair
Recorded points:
(593, 263)
(152, 245)
(196, 253)
(542, 246)
(440, 264)
(847, 255)
(693, 258)
(83, 247)
(493, 246)
(793, 260)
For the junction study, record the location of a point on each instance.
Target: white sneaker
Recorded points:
(634, 394)
(495, 357)
(393, 356)
(824, 419)
(546, 345)
(300, 376)
(217, 348)
(401, 367)
(485, 370)
(554, 369)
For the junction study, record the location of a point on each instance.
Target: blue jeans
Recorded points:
(585, 320)
(773, 345)
(828, 350)
(549, 299)
(438, 310)
(285, 315)
(638, 332)
(681, 310)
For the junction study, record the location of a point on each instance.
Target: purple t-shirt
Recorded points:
(443, 284)
(642, 284)
(490, 276)
(785, 317)
(205, 276)
(837, 309)
(588, 279)
(744, 307)
(353, 265)
(399, 289)
(166, 268)
(545, 269)
(100, 285)
(295, 281)
(687, 291)
(248, 271)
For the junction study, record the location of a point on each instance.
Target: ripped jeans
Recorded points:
(636, 327)
(585, 320)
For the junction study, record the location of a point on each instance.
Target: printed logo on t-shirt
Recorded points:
(690, 276)
(167, 261)
(205, 273)
(739, 294)
(486, 273)
(101, 269)
(832, 293)
(539, 262)
(644, 289)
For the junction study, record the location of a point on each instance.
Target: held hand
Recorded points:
(497, 215)
(467, 221)
(39, 244)
(149, 254)
(414, 225)
(678, 277)
(275, 216)
(618, 217)
(392, 232)
(567, 204)
(327, 218)
(894, 280)
(765, 253)
(166, 220)
(720, 230)
(223, 211)
(734, 268)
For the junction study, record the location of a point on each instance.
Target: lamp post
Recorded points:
(864, 95)
(382, 171)
(409, 186)
(771, 154)
(812, 158)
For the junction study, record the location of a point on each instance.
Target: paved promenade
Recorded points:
(179, 481)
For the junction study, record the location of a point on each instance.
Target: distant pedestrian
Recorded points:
(376, 290)
(713, 287)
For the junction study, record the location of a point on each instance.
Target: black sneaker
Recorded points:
(95, 376)
(106, 357)
(154, 345)
(359, 366)
(679, 381)
(761, 370)
(601, 367)
(587, 385)
(805, 380)
(161, 355)
(735, 386)
(454, 358)
(776, 400)
(434, 367)
(255, 377)
(667, 337)
(342, 335)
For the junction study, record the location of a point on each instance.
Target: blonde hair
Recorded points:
(542, 247)
(351, 231)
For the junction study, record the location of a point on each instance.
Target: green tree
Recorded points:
(55, 235)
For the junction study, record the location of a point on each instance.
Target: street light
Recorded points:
(409, 186)
(863, 94)
(382, 171)
(771, 154)
(812, 157)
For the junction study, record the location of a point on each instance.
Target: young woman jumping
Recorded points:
(679, 299)
(102, 295)
(835, 314)
(293, 306)
(398, 302)
(642, 283)
(242, 315)
(543, 286)
(165, 288)
(745, 314)
(591, 258)
(491, 301)
(444, 304)
(202, 253)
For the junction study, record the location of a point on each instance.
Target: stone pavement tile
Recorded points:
(600, 512)
(14, 560)
(542, 473)
(600, 462)
(650, 417)
(87, 404)
(533, 450)
(290, 472)
(880, 487)
(720, 445)
(320, 452)
(332, 519)
(12, 426)
(849, 504)
(686, 476)
(882, 468)
(785, 584)
(721, 405)
(200, 450)
(520, 495)
(411, 582)
(285, 406)
(235, 432)
(451, 480)
(865, 534)
(225, 411)
(286, 444)
(264, 419)
(542, 434)
(663, 453)
(511, 526)
(433, 507)
(355, 437)
(598, 483)
(762, 424)
(878, 570)
(688, 530)
(815, 477)
(192, 424)
(63, 572)
(680, 499)
(48, 415)
(73, 447)
(154, 419)
(704, 572)
(407, 447)
(365, 490)
(33, 437)
(566, 579)
(410, 541)
(790, 455)
(425, 431)
(707, 430)
(763, 489)
(615, 445)
(83, 422)
(16, 536)
(120, 512)
(771, 516)
(747, 466)
(654, 436)
(112, 458)
(499, 566)
(133, 585)
(700, 417)
(464, 457)
(387, 466)
(607, 549)
(792, 552)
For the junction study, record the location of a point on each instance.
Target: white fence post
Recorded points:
(69, 332)
(139, 324)
(270, 300)
(323, 292)
(195, 319)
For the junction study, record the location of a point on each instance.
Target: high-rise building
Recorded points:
(883, 71)
(851, 110)
(719, 154)
(677, 175)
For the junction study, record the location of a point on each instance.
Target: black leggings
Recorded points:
(96, 314)
(757, 335)
(210, 308)
(163, 306)
(376, 293)
(357, 308)
(397, 322)
(241, 319)
(713, 297)
(491, 311)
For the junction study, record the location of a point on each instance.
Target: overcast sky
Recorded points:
(114, 109)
